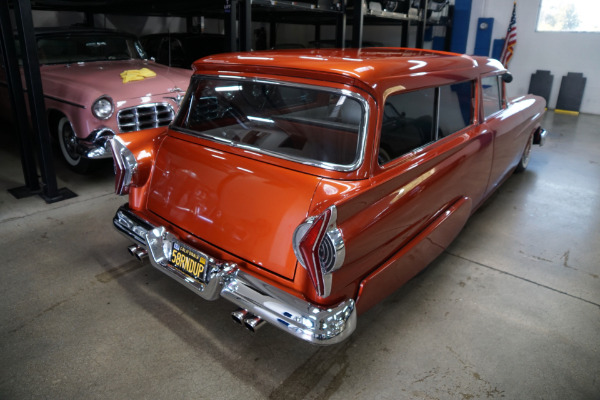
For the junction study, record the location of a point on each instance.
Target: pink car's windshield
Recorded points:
(308, 124)
(65, 49)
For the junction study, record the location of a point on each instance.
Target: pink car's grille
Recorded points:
(145, 116)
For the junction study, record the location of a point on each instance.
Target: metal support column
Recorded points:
(245, 25)
(17, 99)
(421, 24)
(231, 25)
(405, 34)
(272, 34)
(31, 67)
(317, 35)
(357, 24)
(340, 29)
(449, 27)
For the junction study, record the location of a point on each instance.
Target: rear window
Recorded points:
(308, 124)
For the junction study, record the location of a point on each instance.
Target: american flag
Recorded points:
(511, 38)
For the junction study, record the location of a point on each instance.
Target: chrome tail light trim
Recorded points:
(125, 165)
(319, 247)
(260, 300)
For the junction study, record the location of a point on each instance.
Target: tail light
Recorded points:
(125, 165)
(319, 247)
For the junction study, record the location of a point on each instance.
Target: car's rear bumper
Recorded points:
(307, 321)
(95, 146)
(539, 137)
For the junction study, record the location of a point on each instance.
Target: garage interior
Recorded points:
(510, 310)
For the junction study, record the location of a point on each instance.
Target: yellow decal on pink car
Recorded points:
(137, 74)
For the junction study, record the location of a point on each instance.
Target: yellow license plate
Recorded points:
(189, 261)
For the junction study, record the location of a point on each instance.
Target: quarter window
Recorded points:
(492, 99)
(407, 123)
(414, 119)
(456, 107)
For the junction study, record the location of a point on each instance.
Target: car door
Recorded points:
(508, 127)
(421, 173)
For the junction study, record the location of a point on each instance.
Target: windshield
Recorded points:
(313, 125)
(85, 48)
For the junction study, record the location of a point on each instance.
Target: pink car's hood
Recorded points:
(83, 83)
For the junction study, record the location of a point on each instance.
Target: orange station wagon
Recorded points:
(305, 186)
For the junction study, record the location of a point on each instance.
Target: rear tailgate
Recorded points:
(243, 206)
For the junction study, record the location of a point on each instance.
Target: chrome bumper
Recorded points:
(95, 146)
(307, 321)
(539, 136)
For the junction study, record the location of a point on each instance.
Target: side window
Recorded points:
(456, 108)
(492, 99)
(407, 123)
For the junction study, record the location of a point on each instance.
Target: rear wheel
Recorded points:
(525, 157)
(67, 141)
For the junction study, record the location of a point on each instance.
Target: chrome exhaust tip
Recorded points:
(138, 252)
(239, 316)
(253, 323)
(131, 249)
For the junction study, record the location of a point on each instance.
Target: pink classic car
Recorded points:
(98, 83)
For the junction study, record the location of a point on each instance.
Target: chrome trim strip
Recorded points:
(329, 166)
(64, 101)
(95, 146)
(302, 319)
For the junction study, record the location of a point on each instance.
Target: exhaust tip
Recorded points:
(253, 323)
(138, 252)
(239, 316)
(141, 254)
(132, 249)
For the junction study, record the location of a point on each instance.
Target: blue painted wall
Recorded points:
(483, 39)
(460, 26)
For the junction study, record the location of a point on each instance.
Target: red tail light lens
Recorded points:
(125, 165)
(319, 247)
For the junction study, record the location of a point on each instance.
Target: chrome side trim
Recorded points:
(64, 101)
(307, 321)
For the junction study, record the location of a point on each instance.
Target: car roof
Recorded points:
(369, 66)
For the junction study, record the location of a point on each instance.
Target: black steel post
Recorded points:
(31, 67)
(88, 19)
(357, 24)
(340, 29)
(421, 24)
(272, 34)
(17, 100)
(449, 25)
(246, 25)
(231, 24)
(405, 34)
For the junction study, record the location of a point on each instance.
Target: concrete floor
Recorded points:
(511, 310)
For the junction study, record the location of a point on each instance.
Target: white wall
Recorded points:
(558, 52)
